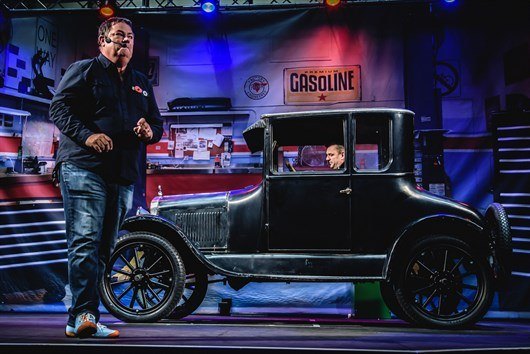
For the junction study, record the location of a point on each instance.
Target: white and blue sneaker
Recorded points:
(105, 332)
(85, 325)
(101, 332)
(70, 331)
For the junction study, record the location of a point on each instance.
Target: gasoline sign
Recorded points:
(322, 84)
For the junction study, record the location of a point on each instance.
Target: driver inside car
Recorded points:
(335, 156)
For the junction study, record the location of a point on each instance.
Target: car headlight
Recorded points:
(153, 208)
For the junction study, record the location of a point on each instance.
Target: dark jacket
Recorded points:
(90, 99)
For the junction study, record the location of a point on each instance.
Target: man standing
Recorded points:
(104, 110)
(335, 156)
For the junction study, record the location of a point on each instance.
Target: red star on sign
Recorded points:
(322, 97)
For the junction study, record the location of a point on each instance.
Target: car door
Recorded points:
(377, 192)
(308, 203)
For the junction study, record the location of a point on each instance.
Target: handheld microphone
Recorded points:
(108, 40)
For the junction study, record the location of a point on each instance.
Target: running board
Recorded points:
(292, 267)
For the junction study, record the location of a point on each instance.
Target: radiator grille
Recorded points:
(206, 229)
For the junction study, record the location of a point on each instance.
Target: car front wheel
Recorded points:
(443, 283)
(144, 279)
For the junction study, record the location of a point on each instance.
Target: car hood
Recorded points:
(212, 200)
(188, 201)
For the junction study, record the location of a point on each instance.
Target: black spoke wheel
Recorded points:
(144, 279)
(443, 283)
(195, 290)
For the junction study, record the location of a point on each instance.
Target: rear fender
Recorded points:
(450, 225)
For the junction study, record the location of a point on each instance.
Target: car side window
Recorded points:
(300, 145)
(372, 143)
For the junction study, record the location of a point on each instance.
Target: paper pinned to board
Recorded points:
(201, 155)
(202, 145)
(207, 133)
(218, 140)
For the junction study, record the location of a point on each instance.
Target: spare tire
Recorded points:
(501, 242)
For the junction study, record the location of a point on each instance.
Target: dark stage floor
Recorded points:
(33, 333)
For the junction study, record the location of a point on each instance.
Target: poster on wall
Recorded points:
(153, 70)
(44, 60)
(322, 85)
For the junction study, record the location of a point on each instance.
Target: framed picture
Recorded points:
(153, 70)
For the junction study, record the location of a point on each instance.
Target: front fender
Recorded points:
(172, 233)
(451, 225)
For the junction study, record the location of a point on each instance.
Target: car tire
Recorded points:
(195, 290)
(501, 241)
(389, 297)
(144, 279)
(443, 283)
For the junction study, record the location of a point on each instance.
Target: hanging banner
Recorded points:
(44, 60)
(46, 49)
(322, 85)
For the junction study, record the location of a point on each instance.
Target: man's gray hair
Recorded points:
(105, 26)
(340, 148)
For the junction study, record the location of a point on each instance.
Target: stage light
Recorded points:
(332, 3)
(449, 1)
(107, 8)
(209, 6)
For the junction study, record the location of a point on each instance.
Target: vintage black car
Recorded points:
(438, 261)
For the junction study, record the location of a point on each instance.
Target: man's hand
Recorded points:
(99, 142)
(143, 130)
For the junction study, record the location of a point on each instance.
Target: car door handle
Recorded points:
(345, 191)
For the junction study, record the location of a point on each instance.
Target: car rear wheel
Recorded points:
(389, 297)
(501, 242)
(443, 283)
(194, 292)
(144, 279)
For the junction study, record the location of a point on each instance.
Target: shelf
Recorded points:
(203, 170)
(204, 113)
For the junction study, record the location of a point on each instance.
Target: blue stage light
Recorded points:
(209, 6)
(449, 1)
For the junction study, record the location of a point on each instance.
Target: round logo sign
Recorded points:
(256, 87)
(447, 78)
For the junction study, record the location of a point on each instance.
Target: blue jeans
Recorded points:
(94, 211)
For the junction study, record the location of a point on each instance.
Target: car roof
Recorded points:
(337, 111)
(253, 135)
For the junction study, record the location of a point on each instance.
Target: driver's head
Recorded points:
(335, 156)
